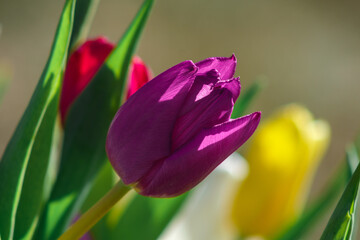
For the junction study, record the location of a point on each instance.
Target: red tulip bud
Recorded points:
(85, 62)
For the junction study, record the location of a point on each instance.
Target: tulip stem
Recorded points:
(95, 213)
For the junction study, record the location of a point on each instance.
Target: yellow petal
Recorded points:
(283, 156)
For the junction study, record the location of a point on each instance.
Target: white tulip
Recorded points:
(206, 213)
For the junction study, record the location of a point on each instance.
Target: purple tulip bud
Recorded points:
(176, 129)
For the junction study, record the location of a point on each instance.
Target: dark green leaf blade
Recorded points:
(342, 220)
(85, 132)
(38, 175)
(247, 97)
(83, 16)
(15, 159)
(34, 188)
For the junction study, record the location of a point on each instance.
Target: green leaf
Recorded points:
(36, 181)
(312, 214)
(247, 97)
(40, 168)
(341, 223)
(84, 14)
(85, 133)
(143, 218)
(18, 151)
(352, 158)
(41, 171)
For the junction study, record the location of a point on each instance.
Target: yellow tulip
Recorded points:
(283, 157)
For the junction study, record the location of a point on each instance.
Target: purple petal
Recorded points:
(195, 160)
(211, 70)
(225, 66)
(202, 87)
(211, 110)
(151, 111)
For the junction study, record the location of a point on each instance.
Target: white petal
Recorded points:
(206, 214)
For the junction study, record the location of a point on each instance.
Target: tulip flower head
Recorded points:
(176, 129)
(283, 157)
(84, 63)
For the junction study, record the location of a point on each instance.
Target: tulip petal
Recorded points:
(139, 75)
(81, 68)
(189, 165)
(225, 66)
(211, 110)
(130, 142)
(201, 88)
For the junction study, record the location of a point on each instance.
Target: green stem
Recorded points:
(95, 213)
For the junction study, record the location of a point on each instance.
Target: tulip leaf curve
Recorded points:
(38, 117)
(342, 221)
(86, 127)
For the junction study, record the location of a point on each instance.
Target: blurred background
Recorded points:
(309, 52)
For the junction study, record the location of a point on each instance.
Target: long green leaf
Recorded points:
(38, 175)
(341, 223)
(33, 192)
(85, 133)
(17, 154)
(84, 14)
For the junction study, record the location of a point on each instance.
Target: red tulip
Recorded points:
(85, 62)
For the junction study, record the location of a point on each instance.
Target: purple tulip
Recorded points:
(176, 129)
